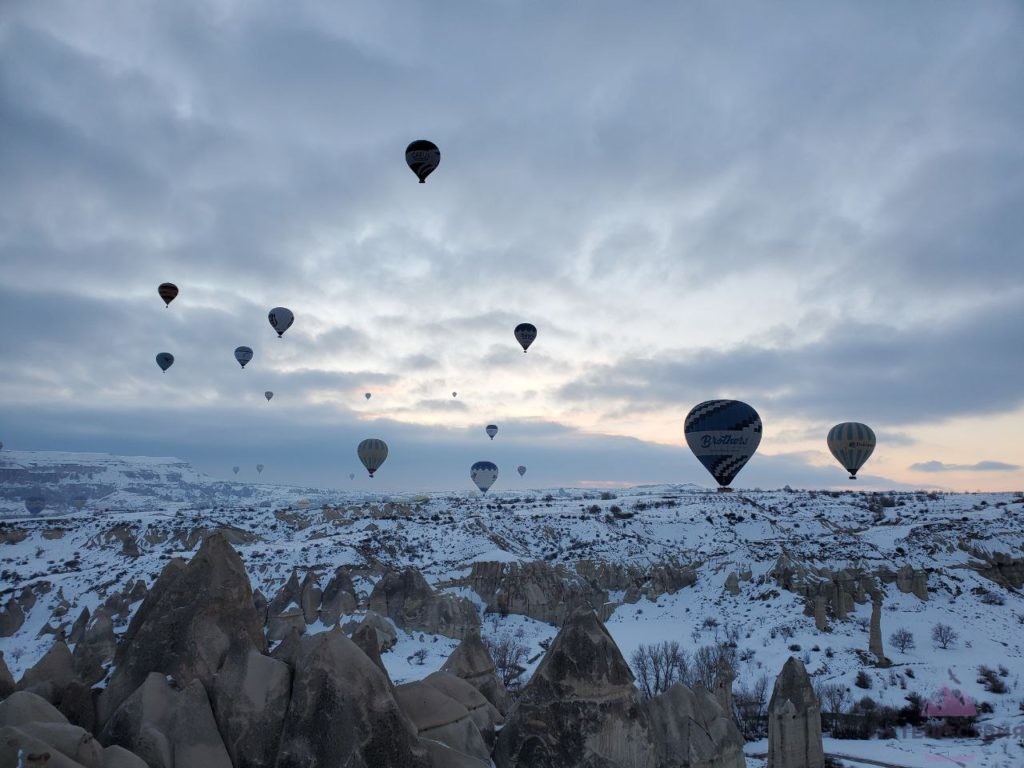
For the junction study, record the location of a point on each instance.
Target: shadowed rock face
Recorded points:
(194, 615)
(536, 589)
(406, 598)
(794, 721)
(342, 712)
(580, 708)
(439, 717)
(691, 730)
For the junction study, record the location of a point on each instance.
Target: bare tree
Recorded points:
(658, 667)
(902, 638)
(750, 708)
(944, 635)
(834, 700)
(509, 656)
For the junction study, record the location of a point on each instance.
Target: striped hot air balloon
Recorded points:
(372, 452)
(723, 435)
(483, 473)
(243, 355)
(852, 443)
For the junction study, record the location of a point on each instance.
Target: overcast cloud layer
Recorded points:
(813, 207)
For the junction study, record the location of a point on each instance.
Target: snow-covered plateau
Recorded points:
(768, 574)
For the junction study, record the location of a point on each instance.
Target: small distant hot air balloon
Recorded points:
(852, 443)
(525, 335)
(269, 395)
(723, 435)
(367, 395)
(259, 469)
(243, 355)
(372, 452)
(167, 291)
(165, 360)
(35, 504)
(484, 473)
(455, 394)
(521, 470)
(491, 430)
(281, 320)
(423, 157)
(351, 475)
(235, 469)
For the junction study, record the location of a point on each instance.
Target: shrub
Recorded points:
(863, 680)
(992, 682)
(508, 655)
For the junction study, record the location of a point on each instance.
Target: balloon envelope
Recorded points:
(259, 468)
(525, 334)
(35, 504)
(455, 394)
(243, 355)
(165, 360)
(367, 395)
(281, 320)
(484, 473)
(351, 475)
(521, 470)
(491, 430)
(372, 452)
(167, 291)
(423, 157)
(235, 469)
(852, 443)
(723, 435)
(269, 395)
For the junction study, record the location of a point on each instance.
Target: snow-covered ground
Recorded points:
(76, 558)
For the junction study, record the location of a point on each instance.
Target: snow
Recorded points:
(162, 504)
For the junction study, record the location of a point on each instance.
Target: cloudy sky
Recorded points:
(815, 207)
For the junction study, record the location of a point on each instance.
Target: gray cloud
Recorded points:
(981, 466)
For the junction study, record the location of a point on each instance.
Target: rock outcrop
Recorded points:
(691, 730)
(7, 685)
(52, 674)
(193, 616)
(336, 683)
(406, 598)
(439, 717)
(339, 598)
(538, 590)
(875, 632)
(484, 714)
(794, 721)
(473, 663)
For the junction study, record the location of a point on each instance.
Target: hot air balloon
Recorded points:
(165, 360)
(167, 291)
(491, 430)
(852, 444)
(372, 452)
(269, 395)
(423, 157)
(351, 475)
(243, 355)
(455, 394)
(259, 469)
(521, 470)
(281, 320)
(367, 395)
(35, 504)
(235, 469)
(525, 334)
(723, 435)
(484, 473)
(78, 502)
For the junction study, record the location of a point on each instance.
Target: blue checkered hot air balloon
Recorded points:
(723, 435)
(852, 443)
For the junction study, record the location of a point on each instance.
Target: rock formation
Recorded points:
(472, 662)
(187, 624)
(481, 711)
(691, 730)
(794, 721)
(406, 598)
(875, 634)
(538, 590)
(439, 717)
(732, 583)
(7, 685)
(339, 598)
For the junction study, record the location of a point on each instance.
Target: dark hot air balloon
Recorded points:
(281, 320)
(491, 430)
(269, 395)
(243, 355)
(165, 360)
(372, 452)
(259, 469)
(525, 335)
(167, 291)
(235, 469)
(423, 157)
(852, 443)
(35, 504)
(723, 435)
(521, 470)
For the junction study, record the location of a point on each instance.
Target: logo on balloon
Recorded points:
(707, 441)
